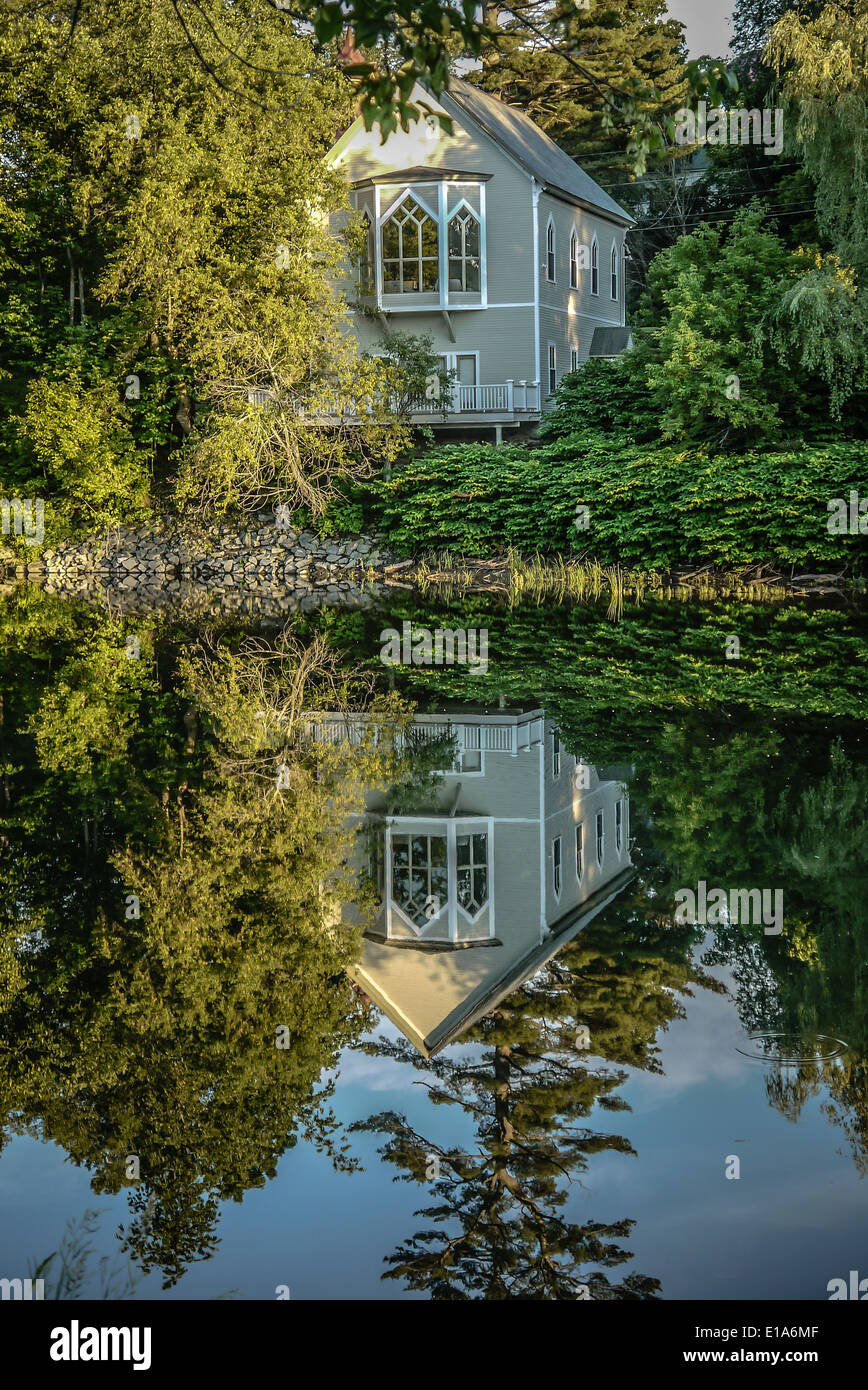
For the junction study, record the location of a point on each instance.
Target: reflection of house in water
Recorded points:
(516, 851)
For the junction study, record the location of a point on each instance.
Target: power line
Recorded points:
(667, 226)
(733, 169)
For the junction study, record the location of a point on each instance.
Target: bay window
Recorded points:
(435, 879)
(411, 256)
(427, 242)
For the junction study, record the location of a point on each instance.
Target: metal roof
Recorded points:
(533, 149)
(608, 342)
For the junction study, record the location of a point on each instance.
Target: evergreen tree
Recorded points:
(565, 83)
(536, 1070)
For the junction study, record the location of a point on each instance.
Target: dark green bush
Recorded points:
(650, 507)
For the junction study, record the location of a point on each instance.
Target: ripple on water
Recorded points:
(781, 1048)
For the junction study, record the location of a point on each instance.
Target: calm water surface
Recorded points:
(374, 983)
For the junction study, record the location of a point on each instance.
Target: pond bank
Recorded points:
(268, 568)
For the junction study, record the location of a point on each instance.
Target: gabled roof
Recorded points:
(433, 998)
(532, 148)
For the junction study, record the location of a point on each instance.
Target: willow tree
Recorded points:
(824, 60)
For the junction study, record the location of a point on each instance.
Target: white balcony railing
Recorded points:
(499, 398)
(488, 734)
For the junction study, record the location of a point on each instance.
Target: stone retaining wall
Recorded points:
(256, 569)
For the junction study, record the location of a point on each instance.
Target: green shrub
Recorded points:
(650, 507)
(608, 395)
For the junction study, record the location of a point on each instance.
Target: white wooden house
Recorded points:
(492, 242)
(520, 847)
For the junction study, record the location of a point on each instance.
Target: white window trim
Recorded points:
(574, 260)
(383, 210)
(435, 217)
(463, 203)
(556, 754)
(552, 348)
(574, 359)
(550, 227)
(580, 840)
(459, 825)
(452, 366)
(462, 772)
(557, 867)
(615, 274)
(595, 265)
(600, 838)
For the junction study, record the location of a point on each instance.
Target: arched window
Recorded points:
(410, 251)
(595, 267)
(550, 251)
(574, 261)
(366, 260)
(464, 258)
(614, 270)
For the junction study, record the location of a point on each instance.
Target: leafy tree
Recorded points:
(820, 52)
(204, 343)
(169, 905)
(732, 314)
(414, 372)
(388, 48)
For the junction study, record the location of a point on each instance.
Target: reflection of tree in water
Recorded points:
(155, 1036)
(498, 1225)
(812, 979)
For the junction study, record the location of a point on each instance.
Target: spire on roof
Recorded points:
(349, 53)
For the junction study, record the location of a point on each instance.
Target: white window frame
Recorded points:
(574, 259)
(600, 838)
(462, 207)
(580, 850)
(595, 266)
(557, 867)
(574, 359)
(410, 195)
(447, 918)
(387, 199)
(551, 254)
(369, 257)
(615, 281)
(553, 367)
(619, 825)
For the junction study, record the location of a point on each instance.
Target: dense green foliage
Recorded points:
(819, 52)
(167, 260)
(747, 337)
(649, 507)
(624, 43)
(167, 908)
(612, 683)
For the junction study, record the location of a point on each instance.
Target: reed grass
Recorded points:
(531, 578)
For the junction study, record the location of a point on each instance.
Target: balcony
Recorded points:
(501, 403)
(479, 732)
